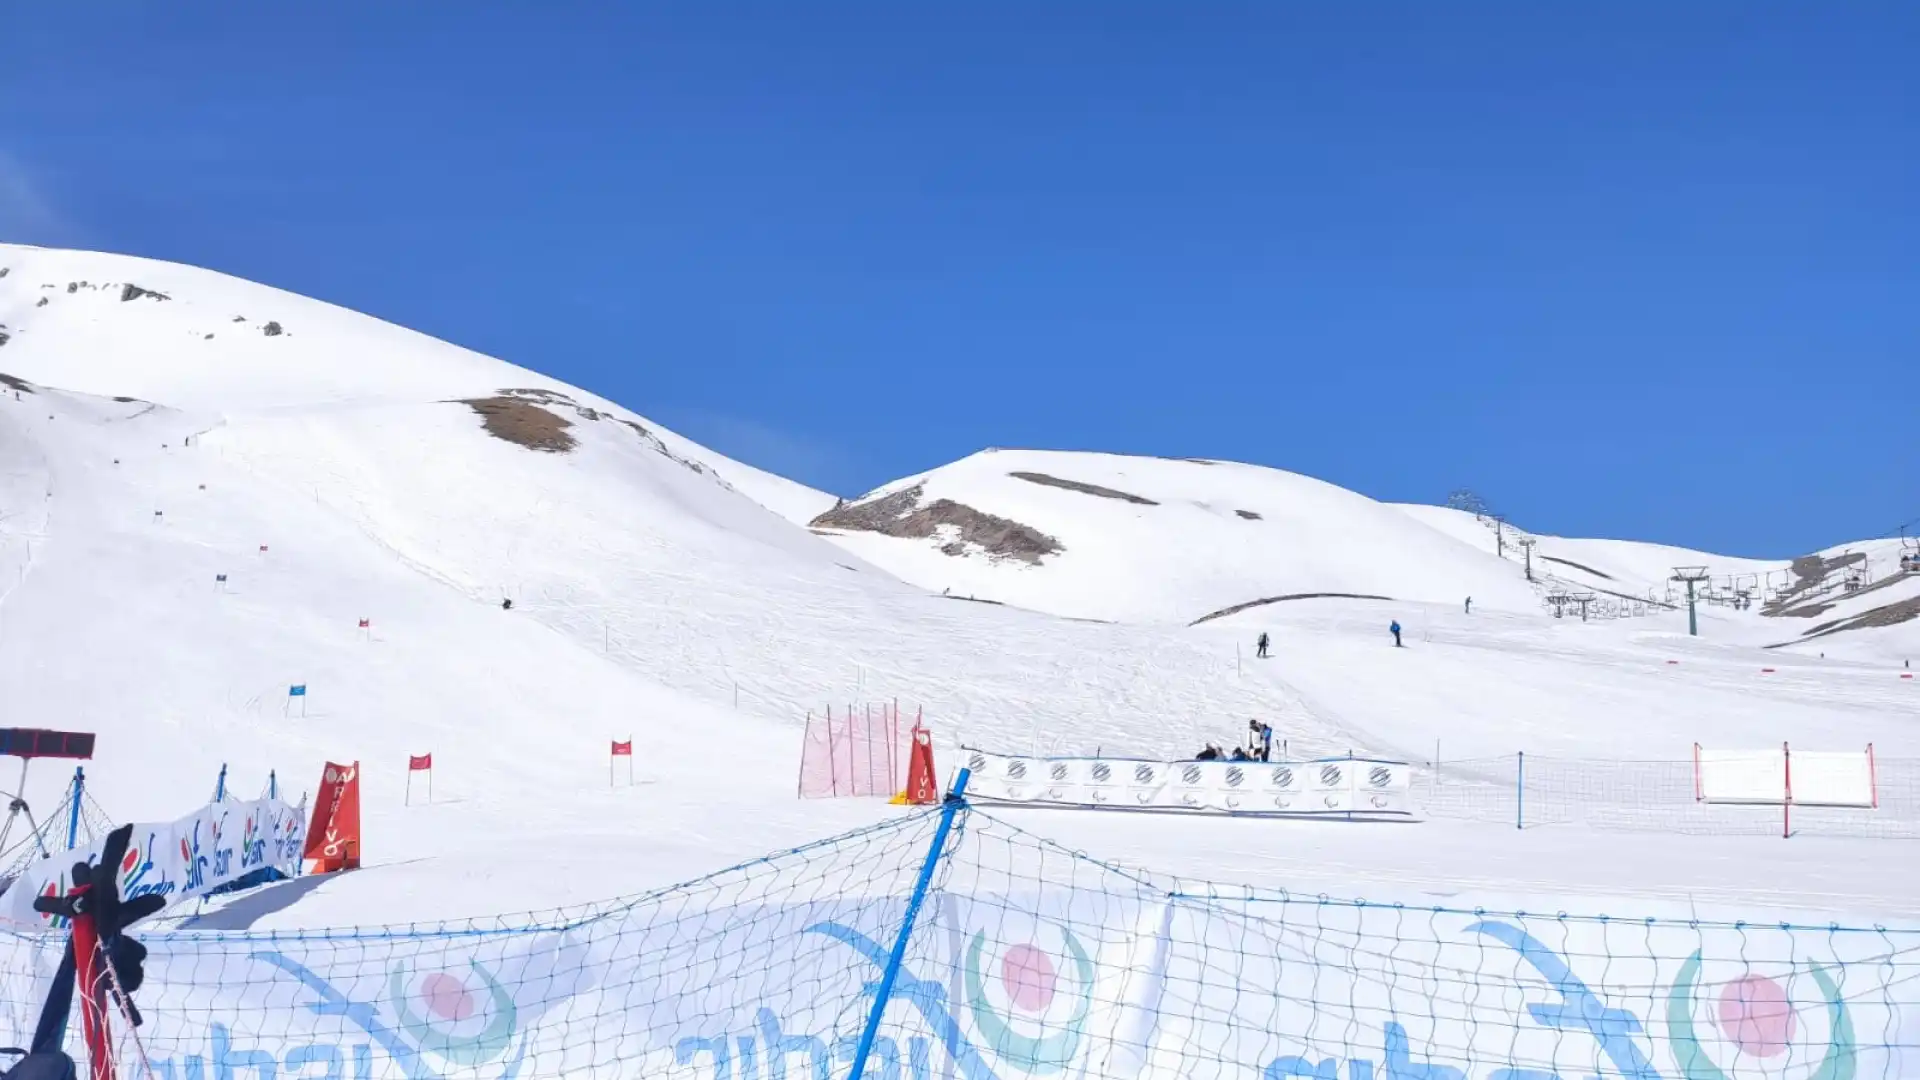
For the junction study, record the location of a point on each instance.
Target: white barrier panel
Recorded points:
(193, 856)
(1337, 786)
(1768, 777)
(1751, 777)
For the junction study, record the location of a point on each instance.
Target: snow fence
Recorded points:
(952, 943)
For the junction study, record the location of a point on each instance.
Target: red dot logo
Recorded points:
(446, 997)
(1755, 1015)
(1028, 977)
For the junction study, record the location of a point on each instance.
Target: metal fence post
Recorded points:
(1520, 791)
(956, 802)
(73, 812)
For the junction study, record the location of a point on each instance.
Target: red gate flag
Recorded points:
(421, 763)
(333, 837)
(623, 749)
(364, 623)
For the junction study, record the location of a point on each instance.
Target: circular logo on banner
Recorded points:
(1030, 1008)
(1379, 776)
(1756, 1017)
(1103, 772)
(1283, 777)
(1143, 774)
(1234, 776)
(333, 775)
(1017, 770)
(1191, 774)
(1329, 775)
(1059, 770)
(467, 1020)
(977, 762)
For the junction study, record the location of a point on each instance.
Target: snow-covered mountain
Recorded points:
(163, 425)
(1133, 539)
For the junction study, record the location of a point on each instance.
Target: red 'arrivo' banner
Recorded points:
(333, 837)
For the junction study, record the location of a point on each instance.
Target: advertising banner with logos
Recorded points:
(1359, 786)
(1097, 979)
(209, 848)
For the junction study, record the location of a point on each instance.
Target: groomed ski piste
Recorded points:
(333, 468)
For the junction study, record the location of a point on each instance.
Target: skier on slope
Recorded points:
(1469, 605)
(1395, 631)
(1260, 646)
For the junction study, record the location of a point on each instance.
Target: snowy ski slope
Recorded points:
(667, 593)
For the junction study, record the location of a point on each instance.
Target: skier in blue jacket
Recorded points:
(1395, 630)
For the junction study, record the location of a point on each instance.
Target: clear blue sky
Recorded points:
(1628, 269)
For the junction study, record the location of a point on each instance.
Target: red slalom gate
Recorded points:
(854, 752)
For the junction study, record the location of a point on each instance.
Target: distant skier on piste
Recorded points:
(1395, 631)
(1469, 605)
(1260, 646)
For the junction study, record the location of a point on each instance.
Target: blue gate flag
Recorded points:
(297, 690)
(219, 577)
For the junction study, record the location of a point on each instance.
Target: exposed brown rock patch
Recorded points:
(963, 527)
(1085, 489)
(524, 423)
(1885, 615)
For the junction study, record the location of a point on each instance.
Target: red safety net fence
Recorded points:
(855, 751)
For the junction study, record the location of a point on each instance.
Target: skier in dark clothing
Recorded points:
(1469, 605)
(1260, 647)
(507, 604)
(1395, 630)
(1211, 753)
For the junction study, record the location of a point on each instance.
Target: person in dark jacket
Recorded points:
(1211, 753)
(507, 604)
(1395, 630)
(1260, 646)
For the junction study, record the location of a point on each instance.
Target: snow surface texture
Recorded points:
(666, 593)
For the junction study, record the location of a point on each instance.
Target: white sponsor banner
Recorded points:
(1333, 786)
(1767, 777)
(1099, 979)
(193, 856)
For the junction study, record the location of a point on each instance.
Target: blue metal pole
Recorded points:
(1520, 792)
(273, 785)
(956, 802)
(73, 812)
(220, 786)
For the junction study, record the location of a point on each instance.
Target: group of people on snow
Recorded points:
(1259, 746)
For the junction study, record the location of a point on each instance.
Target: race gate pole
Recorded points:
(1786, 804)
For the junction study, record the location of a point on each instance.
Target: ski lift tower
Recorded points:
(1527, 542)
(1692, 575)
